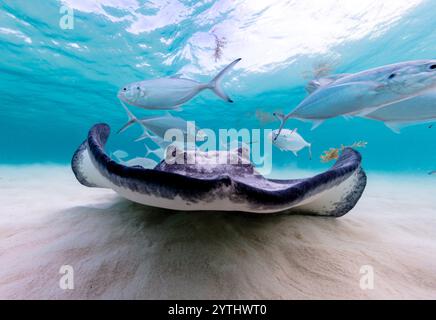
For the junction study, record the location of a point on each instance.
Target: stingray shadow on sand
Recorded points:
(127, 250)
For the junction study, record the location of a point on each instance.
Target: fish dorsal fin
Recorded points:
(316, 124)
(395, 126)
(315, 84)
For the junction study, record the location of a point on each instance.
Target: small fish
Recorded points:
(144, 162)
(419, 109)
(362, 93)
(290, 140)
(171, 93)
(120, 154)
(159, 125)
(432, 173)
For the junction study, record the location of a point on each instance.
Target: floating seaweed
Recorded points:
(265, 117)
(333, 153)
(220, 43)
(319, 70)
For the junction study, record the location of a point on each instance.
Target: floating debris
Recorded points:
(319, 69)
(329, 155)
(265, 117)
(333, 153)
(220, 43)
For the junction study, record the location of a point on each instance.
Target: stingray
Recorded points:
(220, 187)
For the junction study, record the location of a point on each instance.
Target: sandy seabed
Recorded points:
(122, 250)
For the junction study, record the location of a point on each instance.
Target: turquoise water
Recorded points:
(55, 83)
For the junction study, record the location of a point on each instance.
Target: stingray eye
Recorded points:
(392, 76)
(433, 67)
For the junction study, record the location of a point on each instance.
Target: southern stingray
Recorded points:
(220, 187)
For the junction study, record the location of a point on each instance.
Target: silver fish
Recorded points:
(120, 154)
(144, 162)
(290, 140)
(159, 125)
(362, 93)
(419, 109)
(170, 93)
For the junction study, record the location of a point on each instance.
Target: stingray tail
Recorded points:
(215, 84)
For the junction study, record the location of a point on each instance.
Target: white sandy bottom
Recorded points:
(122, 250)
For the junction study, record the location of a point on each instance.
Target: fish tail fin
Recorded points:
(215, 84)
(126, 126)
(149, 152)
(145, 135)
(283, 118)
(132, 119)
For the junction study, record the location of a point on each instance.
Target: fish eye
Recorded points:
(138, 88)
(433, 67)
(393, 75)
(124, 89)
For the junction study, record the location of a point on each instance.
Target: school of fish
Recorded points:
(398, 95)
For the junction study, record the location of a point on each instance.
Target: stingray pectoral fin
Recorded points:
(85, 170)
(337, 199)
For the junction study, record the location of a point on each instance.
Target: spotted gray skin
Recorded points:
(361, 93)
(224, 187)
